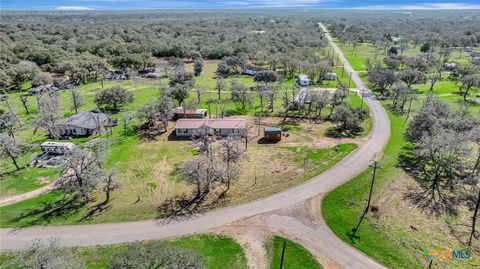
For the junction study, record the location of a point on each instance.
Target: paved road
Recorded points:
(321, 237)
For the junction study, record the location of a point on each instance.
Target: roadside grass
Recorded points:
(218, 251)
(342, 207)
(296, 256)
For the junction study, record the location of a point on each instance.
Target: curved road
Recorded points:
(321, 237)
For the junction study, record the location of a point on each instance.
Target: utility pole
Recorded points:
(349, 80)
(474, 221)
(283, 253)
(362, 94)
(354, 230)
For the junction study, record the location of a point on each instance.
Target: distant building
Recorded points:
(41, 89)
(251, 70)
(272, 134)
(331, 76)
(181, 113)
(303, 80)
(474, 54)
(56, 148)
(476, 60)
(152, 75)
(219, 127)
(83, 124)
(468, 49)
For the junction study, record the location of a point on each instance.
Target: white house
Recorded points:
(56, 148)
(84, 123)
(303, 80)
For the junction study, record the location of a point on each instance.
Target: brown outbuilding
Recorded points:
(272, 134)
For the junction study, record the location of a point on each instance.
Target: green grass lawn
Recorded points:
(296, 256)
(342, 207)
(218, 251)
(26, 179)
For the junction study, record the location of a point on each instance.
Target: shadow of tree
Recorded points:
(430, 197)
(48, 211)
(96, 210)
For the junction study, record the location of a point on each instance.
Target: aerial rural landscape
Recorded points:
(239, 135)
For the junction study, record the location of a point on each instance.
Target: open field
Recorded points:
(147, 167)
(218, 251)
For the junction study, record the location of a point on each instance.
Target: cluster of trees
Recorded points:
(151, 254)
(397, 75)
(418, 28)
(213, 170)
(444, 156)
(62, 44)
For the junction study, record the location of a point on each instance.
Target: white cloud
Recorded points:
(424, 6)
(76, 8)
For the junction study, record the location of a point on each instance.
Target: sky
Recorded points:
(233, 4)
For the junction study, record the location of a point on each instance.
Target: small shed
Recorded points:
(331, 76)
(272, 134)
(56, 148)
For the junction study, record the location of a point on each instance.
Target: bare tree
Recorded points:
(204, 138)
(24, 100)
(126, 119)
(45, 256)
(9, 148)
(77, 100)
(231, 153)
(469, 82)
(241, 94)
(271, 94)
(199, 91)
(8, 121)
(83, 170)
(220, 87)
(110, 184)
(48, 118)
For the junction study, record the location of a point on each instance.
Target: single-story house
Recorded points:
(272, 134)
(251, 70)
(331, 76)
(84, 123)
(474, 54)
(181, 113)
(57, 148)
(303, 80)
(476, 60)
(41, 89)
(219, 127)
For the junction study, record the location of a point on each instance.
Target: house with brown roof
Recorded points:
(219, 127)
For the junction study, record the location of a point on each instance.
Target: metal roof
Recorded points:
(211, 123)
(87, 120)
(273, 130)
